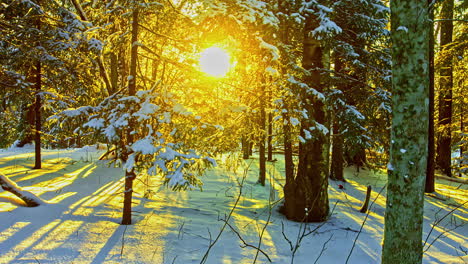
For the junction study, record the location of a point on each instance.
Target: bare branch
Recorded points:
(363, 223)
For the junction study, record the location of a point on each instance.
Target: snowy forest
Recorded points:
(233, 131)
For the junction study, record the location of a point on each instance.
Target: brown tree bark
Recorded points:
(270, 137)
(444, 153)
(307, 199)
(337, 163)
(37, 118)
(37, 105)
(430, 179)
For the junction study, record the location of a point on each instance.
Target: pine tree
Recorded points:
(306, 198)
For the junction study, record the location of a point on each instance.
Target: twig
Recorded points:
(323, 249)
(245, 243)
(241, 184)
(267, 222)
(181, 233)
(441, 234)
(362, 225)
(302, 233)
(437, 222)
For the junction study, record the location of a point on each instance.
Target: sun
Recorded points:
(215, 62)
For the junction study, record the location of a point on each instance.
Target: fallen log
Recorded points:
(29, 198)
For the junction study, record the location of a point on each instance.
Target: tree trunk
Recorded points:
(408, 151)
(337, 162)
(245, 147)
(130, 175)
(290, 185)
(308, 199)
(430, 179)
(270, 137)
(444, 153)
(261, 143)
(8, 185)
(37, 107)
(114, 72)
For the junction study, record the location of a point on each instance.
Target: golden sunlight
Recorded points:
(215, 61)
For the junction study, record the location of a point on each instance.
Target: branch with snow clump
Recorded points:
(30, 199)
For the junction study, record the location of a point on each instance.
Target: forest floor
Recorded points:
(80, 221)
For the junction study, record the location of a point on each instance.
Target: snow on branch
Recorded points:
(29, 198)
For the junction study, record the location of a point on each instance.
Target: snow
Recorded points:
(402, 28)
(144, 146)
(80, 221)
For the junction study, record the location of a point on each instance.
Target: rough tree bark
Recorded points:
(409, 139)
(306, 200)
(444, 153)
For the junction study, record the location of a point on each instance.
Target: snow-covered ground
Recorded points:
(80, 221)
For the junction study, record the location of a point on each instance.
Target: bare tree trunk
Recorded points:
(408, 151)
(37, 106)
(130, 175)
(430, 179)
(261, 145)
(444, 152)
(270, 137)
(336, 171)
(114, 70)
(245, 147)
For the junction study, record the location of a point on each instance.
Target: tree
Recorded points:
(361, 66)
(130, 172)
(444, 142)
(408, 151)
(306, 197)
(37, 104)
(430, 177)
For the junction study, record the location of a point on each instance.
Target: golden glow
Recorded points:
(215, 62)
